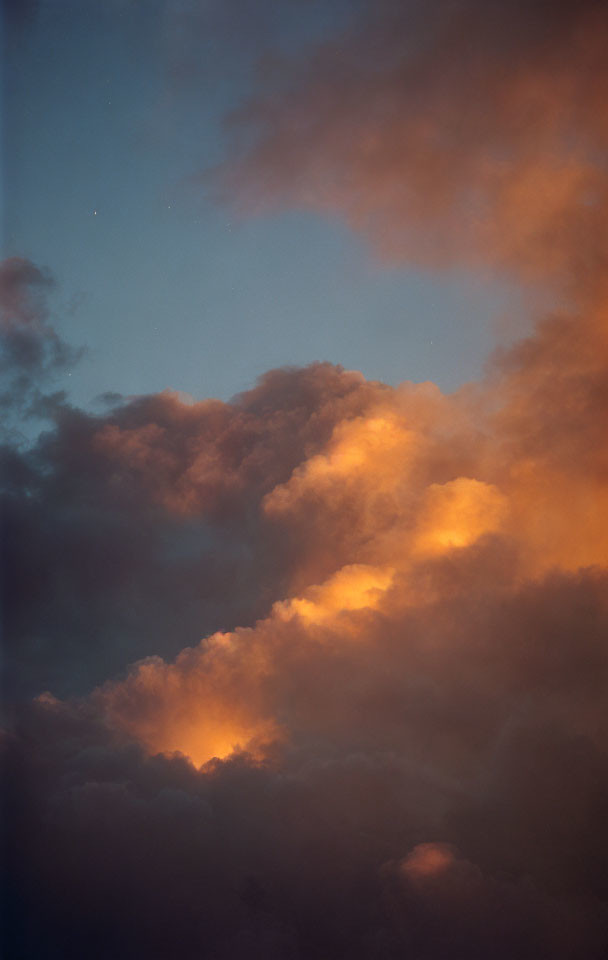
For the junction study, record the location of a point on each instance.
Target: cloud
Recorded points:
(32, 353)
(139, 531)
(438, 779)
(29, 342)
(391, 738)
(394, 741)
(427, 860)
(446, 133)
(393, 675)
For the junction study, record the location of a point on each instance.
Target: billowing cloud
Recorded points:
(403, 753)
(140, 531)
(391, 739)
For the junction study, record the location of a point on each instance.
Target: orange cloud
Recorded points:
(375, 505)
(457, 513)
(206, 705)
(354, 587)
(371, 516)
(427, 860)
(468, 139)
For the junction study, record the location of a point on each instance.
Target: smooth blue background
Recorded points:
(113, 113)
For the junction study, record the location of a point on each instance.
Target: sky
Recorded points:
(116, 114)
(304, 480)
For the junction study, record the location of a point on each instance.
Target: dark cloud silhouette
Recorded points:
(423, 808)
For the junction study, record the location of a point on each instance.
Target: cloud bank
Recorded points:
(391, 740)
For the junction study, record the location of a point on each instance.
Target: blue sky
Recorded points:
(115, 111)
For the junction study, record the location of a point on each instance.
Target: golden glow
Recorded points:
(369, 520)
(199, 706)
(212, 738)
(367, 454)
(354, 587)
(456, 514)
(427, 860)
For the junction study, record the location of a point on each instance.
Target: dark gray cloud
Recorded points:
(29, 343)
(468, 820)
(32, 354)
(140, 531)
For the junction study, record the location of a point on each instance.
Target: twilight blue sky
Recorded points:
(113, 113)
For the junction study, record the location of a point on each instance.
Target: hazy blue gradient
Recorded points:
(113, 112)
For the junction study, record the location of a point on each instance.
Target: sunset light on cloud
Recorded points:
(317, 671)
